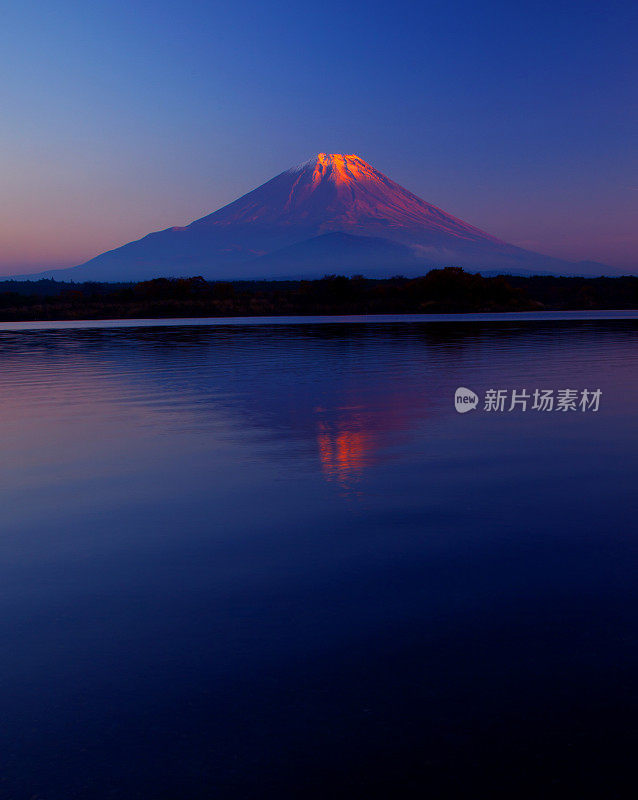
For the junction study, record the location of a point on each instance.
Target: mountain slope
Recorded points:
(337, 253)
(331, 193)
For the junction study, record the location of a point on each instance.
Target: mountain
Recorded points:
(341, 253)
(306, 222)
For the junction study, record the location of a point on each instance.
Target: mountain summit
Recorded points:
(333, 213)
(337, 192)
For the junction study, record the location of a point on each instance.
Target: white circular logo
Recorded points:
(465, 400)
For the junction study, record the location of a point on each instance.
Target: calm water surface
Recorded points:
(272, 561)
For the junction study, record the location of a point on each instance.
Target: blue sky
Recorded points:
(119, 118)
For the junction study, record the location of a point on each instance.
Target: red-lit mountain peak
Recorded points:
(341, 169)
(342, 192)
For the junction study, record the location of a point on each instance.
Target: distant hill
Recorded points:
(340, 253)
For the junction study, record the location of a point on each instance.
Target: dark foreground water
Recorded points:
(272, 561)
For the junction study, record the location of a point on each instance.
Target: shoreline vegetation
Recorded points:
(447, 290)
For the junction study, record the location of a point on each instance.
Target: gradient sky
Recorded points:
(120, 118)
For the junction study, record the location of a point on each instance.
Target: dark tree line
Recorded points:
(441, 290)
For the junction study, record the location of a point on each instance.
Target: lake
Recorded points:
(268, 559)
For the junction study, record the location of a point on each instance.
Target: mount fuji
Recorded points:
(333, 213)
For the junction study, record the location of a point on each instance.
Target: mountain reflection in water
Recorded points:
(273, 562)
